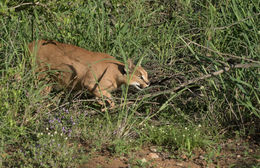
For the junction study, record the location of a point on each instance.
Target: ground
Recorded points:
(232, 153)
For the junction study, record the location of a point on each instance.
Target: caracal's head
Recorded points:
(138, 76)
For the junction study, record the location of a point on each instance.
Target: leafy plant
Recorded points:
(182, 44)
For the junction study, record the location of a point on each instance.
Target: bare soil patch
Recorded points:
(232, 153)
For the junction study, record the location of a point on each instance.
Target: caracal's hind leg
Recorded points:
(43, 77)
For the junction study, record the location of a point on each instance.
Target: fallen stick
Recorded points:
(216, 73)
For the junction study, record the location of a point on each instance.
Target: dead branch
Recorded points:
(225, 69)
(235, 23)
(27, 4)
(223, 54)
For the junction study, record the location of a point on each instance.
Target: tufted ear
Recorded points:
(130, 65)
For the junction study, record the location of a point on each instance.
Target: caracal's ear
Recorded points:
(130, 65)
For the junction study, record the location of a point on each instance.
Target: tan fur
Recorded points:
(76, 68)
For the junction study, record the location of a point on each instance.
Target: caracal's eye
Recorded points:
(141, 77)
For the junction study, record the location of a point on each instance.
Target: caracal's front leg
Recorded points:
(106, 95)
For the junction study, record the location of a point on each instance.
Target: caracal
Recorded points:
(78, 69)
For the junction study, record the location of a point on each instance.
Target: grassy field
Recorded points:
(180, 42)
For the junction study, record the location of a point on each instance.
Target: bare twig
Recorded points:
(230, 107)
(235, 23)
(28, 3)
(225, 69)
(223, 54)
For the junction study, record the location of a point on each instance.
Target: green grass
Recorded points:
(177, 39)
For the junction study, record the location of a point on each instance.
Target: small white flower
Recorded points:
(199, 125)
(61, 134)
(66, 138)
(47, 128)
(186, 128)
(49, 133)
(41, 133)
(55, 132)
